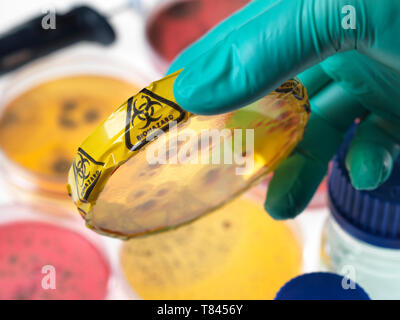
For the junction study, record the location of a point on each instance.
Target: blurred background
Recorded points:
(53, 93)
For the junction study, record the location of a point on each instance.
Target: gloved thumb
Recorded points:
(277, 44)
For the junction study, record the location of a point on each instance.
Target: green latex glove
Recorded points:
(349, 73)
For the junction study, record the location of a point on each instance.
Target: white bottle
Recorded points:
(361, 239)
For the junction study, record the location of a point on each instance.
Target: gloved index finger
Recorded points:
(252, 60)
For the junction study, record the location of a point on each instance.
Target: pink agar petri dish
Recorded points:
(40, 260)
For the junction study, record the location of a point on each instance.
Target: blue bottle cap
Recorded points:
(321, 286)
(370, 216)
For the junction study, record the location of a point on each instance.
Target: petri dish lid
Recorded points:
(152, 166)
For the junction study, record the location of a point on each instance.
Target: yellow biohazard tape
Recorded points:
(119, 137)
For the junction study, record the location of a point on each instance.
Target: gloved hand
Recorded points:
(350, 73)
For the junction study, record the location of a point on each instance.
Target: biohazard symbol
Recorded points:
(81, 168)
(145, 112)
(292, 86)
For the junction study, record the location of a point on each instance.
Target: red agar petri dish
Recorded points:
(31, 250)
(173, 27)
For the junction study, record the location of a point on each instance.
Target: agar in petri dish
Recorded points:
(175, 26)
(237, 252)
(40, 128)
(141, 197)
(127, 185)
(31, 250)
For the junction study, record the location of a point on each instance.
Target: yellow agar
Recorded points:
(237, 252)
(41, 128)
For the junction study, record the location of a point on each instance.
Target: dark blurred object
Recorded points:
(30, 40)
(321, 286)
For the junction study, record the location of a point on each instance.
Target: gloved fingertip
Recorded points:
(281, 208)
(197, 88)
(369, 166)
(185, 94)
(216, 82)
(292, 186)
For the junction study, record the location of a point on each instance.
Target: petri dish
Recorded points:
(42, 259)
(236, 252)
(128, 186)
(172, 27)
(48, 109)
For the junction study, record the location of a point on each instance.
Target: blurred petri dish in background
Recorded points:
(48, 109)
(237, 252)
(172, 27)
(40, 259)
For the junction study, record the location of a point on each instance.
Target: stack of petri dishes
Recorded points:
(46, 110)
